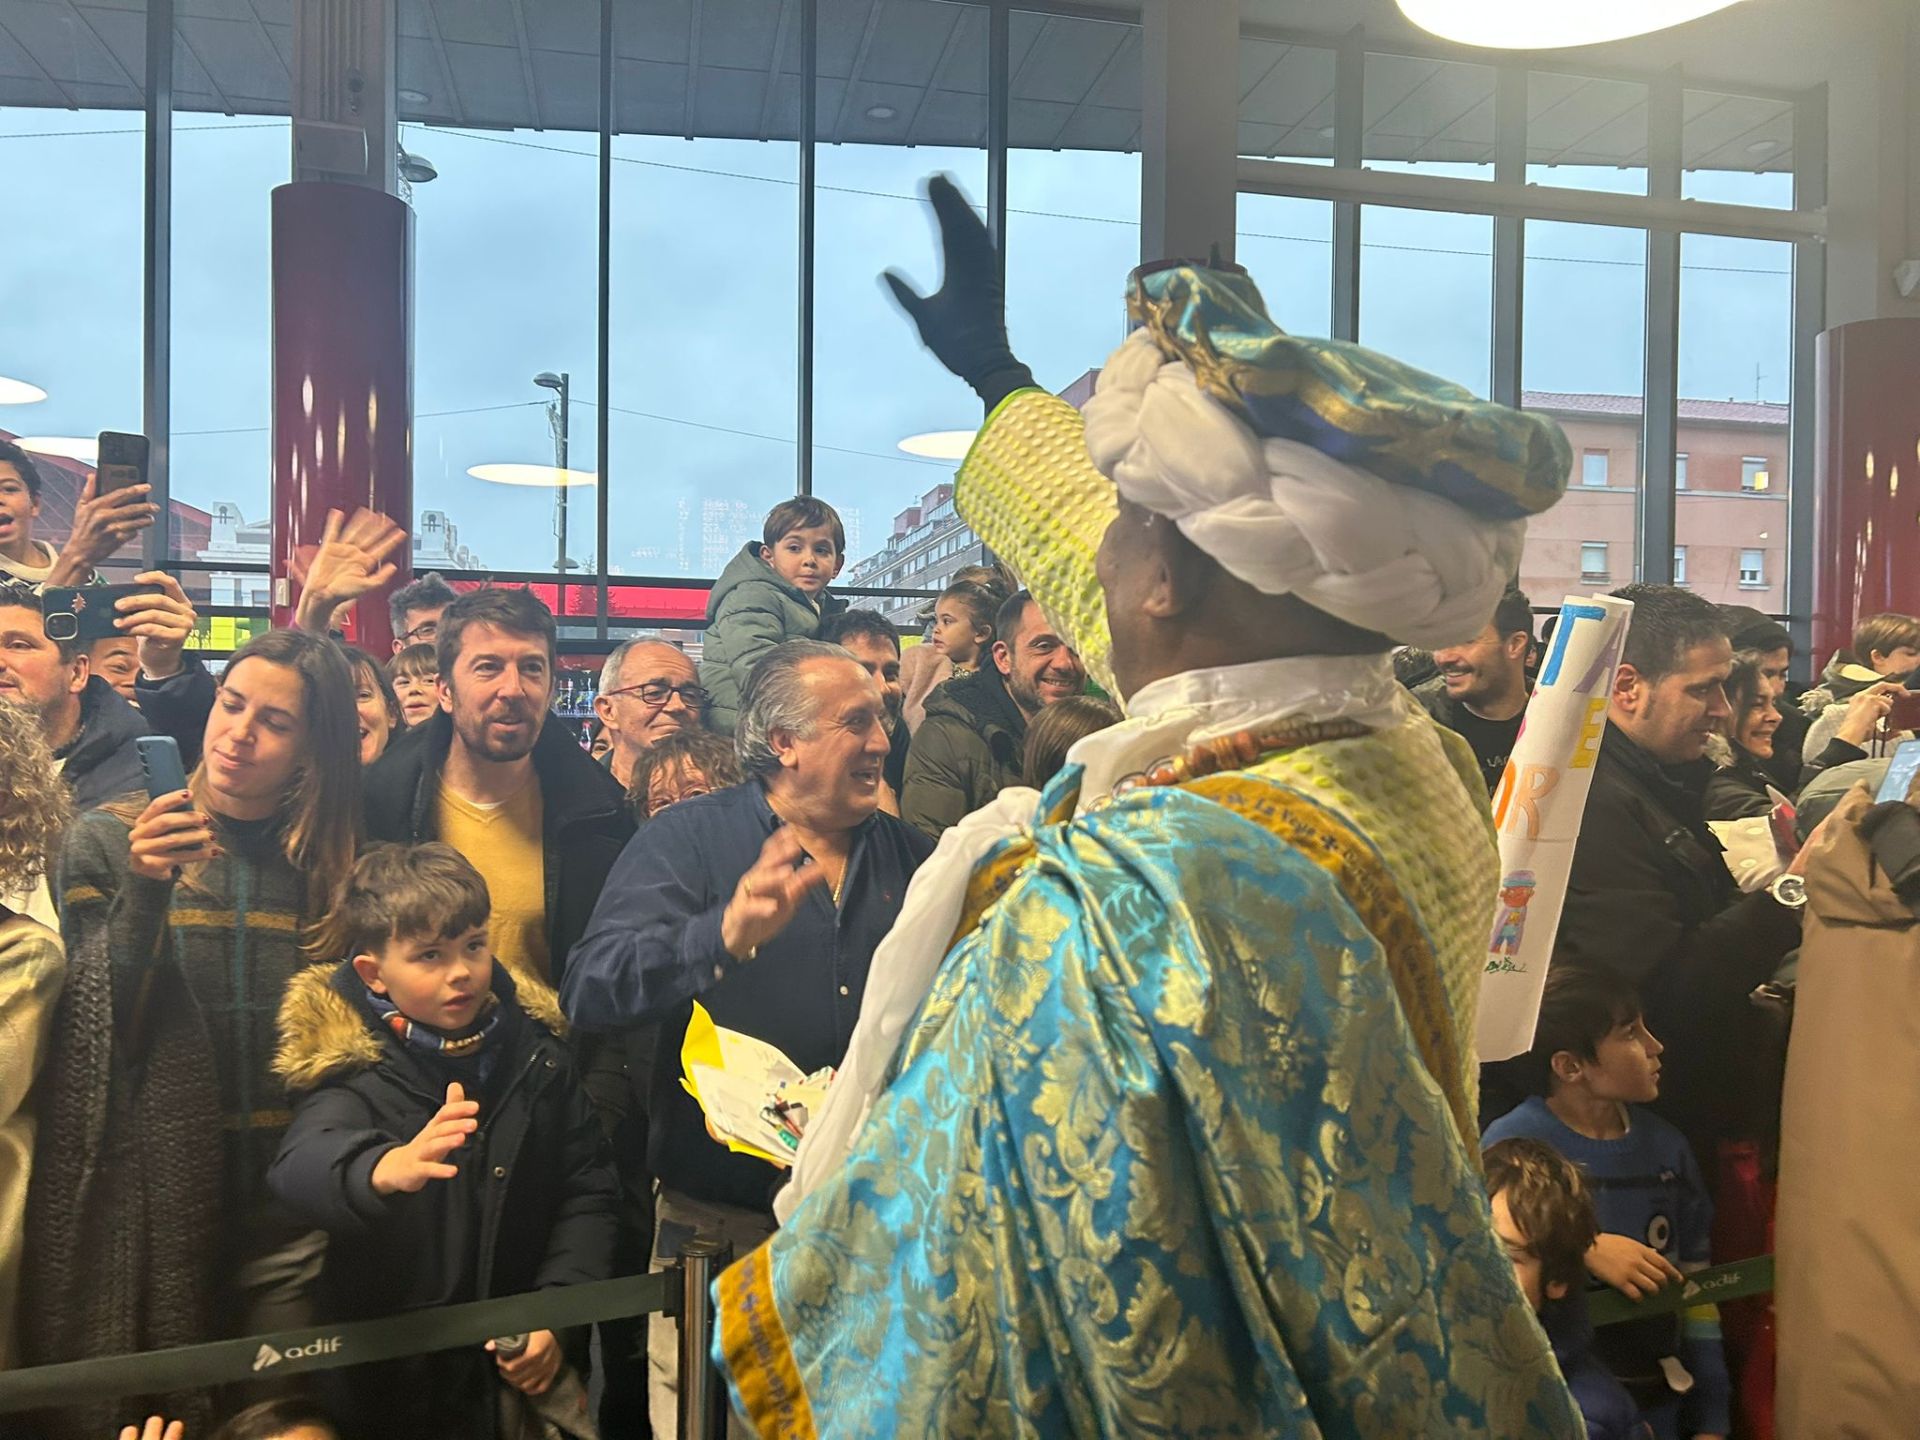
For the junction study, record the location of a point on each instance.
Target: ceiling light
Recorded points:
(19, 392)
(84, 448)
(414, 97)
(1326, 132)
(1763, 147)
(1550, 24)
(881, 112)
(939, 444)
(548, 477)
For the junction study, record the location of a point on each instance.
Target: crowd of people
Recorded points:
(1156, 1108)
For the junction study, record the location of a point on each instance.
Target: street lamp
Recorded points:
(557, 423)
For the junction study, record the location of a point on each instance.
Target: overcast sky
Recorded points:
(704, 335)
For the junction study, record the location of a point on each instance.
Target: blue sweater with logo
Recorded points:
(1647, 1186)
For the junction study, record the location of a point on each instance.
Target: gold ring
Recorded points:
(746, 888)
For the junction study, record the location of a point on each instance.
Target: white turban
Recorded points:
(1291, 520)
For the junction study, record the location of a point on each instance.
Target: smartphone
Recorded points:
(1905, 713)
(86, 612)
(1900, 772)
(160, 759)
(122, 461)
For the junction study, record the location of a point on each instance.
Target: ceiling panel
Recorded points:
(1076, 79)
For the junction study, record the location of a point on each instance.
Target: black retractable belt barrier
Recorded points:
(418, 1332)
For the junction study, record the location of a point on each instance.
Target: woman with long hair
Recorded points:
(149, 1222)
(34, 811)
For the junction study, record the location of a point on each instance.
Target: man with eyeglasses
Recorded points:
(648, 691)
(415, 610)
(763, 901)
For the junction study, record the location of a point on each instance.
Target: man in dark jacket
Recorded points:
(494, 746)
(764, 902)
(88, 726)
(504, 783)
(970, 746)
(1650, 896)
(430, 1199)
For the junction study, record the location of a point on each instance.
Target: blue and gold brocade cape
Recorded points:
(1140, 1171)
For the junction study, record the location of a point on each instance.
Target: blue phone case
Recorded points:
(160, 759)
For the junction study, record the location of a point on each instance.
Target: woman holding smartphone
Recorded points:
(149, 1222)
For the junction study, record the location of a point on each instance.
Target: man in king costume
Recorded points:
(1158, 1117)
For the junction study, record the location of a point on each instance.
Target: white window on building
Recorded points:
(1679, 564)
(1593, 561)
(1753, 472)
(1680, 471)
(1753, 568)
(1593, 468)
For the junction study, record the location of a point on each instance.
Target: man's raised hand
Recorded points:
(767, 895)
(407, 1168)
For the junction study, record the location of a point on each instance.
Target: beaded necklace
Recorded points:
(1239, 749)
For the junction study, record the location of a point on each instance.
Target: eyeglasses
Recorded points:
(419, 635)
(657, 692)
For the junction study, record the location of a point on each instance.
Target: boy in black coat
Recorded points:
(439, 1136)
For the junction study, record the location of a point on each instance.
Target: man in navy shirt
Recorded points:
(765, 902)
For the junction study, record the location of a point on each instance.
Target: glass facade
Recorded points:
(724, 392)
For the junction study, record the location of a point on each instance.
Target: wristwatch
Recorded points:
(1790, 891)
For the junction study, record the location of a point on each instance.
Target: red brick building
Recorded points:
(1730, 522)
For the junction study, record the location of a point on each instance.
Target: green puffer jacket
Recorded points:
(971, 746)
(750, 611)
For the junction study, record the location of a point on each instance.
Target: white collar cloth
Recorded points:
(1165, 717)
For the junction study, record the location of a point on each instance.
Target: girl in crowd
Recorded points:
(683, 766)
(962, 627)
(183, 922)
(1057, 729)
(375, 701)
(34, 811)
(415, 673)
(926, 665)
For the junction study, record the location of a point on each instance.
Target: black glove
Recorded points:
(965, 323)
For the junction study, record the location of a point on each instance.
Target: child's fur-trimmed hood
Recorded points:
(324, 1034)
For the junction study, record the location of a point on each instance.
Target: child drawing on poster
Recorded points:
(1516, 893)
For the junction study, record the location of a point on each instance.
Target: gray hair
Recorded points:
(777, 699)
(617, 661)
(429, 592)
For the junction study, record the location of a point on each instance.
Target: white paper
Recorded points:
(1538, 809)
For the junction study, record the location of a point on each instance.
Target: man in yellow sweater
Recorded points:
(504, 782)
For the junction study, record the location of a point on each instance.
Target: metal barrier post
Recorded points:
(703, 1393)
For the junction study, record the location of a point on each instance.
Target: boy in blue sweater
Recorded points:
(1544, 1217)
(1594, 1066)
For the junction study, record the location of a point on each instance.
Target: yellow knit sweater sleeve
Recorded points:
(1030, 492)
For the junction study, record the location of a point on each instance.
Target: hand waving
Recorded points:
(767, 895)
(347, 565)
(407, 1168)
(964, 323)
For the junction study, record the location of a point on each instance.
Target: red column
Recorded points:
(342, 378)
(1867, 516)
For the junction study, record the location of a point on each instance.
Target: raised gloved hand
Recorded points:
(964, 323)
